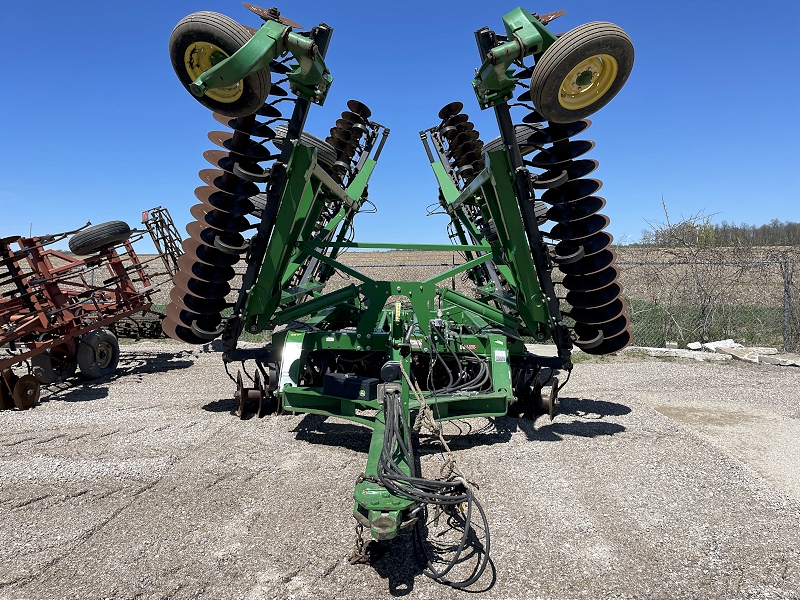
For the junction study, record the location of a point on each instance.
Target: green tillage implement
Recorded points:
(413, 351)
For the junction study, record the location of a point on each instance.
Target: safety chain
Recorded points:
(360, 554)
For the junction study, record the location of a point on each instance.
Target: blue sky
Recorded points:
(95, 125)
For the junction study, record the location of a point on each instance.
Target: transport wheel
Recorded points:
(326, 155)
(99, 236)
(259, 202)
(581, 72)
(523, 131)
(98, 354)
(26, 392)
(204, 39)
(50, 367)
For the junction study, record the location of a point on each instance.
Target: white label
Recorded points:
(499, 356)
(289, 369)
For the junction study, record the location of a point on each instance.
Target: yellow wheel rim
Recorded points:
(588, 82)
(199, 58)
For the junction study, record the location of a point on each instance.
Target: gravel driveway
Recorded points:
(660, 479)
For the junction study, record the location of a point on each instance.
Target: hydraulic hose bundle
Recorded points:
(451, 495)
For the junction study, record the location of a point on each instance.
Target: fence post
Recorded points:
(786, 299)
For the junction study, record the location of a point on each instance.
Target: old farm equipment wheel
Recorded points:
(202, 40)
(99, 236)
(26, 392)
(581, 72)
(52, 366)
(98, 354)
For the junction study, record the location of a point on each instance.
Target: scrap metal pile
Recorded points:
(62, 311)
(397, 356)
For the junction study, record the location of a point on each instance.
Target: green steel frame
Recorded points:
(400, 321)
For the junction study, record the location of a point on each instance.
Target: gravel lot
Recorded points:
(660, 479)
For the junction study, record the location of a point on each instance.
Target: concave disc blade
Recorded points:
(234, 185)
(576, 209)
(269, 111)
(359, 108)
(590, 264)
(572, 190)
(547, 159)
(278, 67)
(578, 230)
(276, 90)
(448, 110)
(251, 151)
(181, 316)
(591, 245)
(206, 272)
(215, 198)
(600, 314)
(181, 333)
(589, 283)
(203, 306)
(456, 120)
(208, 254)
(219, 159)
(596, 298)
(525, 73)
(533, 117)
(561, 131)
(219, 219)
(581, 168)
(615, 344)
(257, 129)
(196, 287)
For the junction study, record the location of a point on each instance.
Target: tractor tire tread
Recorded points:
(542, 95)
(326, 155)
(99, 236)
(208, 23)
(87, 354)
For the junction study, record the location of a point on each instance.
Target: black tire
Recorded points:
(569, 51)
(326, 155)
(228, 36)
(49, 368)
(98, 354)
(523, 131)
(99, 236)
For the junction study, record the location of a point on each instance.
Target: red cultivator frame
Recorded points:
(55, 308)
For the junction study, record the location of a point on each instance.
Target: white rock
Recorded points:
(774, 360)
(741, 353)
(760, 350)
(694, 345)
(712, 346)
(678, 353)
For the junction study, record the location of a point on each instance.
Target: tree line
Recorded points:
(699, 231)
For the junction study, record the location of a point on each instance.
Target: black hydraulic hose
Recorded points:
(427, 491)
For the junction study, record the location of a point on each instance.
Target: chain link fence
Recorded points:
(683, 295)
(673, 294)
